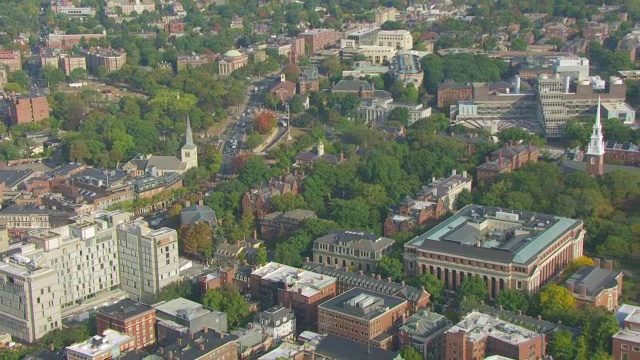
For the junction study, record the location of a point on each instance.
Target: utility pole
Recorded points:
(288, 130)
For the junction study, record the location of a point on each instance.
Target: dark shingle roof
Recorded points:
(594, 278)
(340, 348)
(125, 309)
(352, 85)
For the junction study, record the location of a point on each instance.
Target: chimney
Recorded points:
(596, 262)
(361, 272)
(583, 289)
(300, 290)
(170, 355)
(539, 318)
(373, 276)
(379, 277)
(510, 143)
(486, 159)
(201, 202)
(161, 351)
(187, 203)
(464, 173)
(255, 234)
(205, 329)
(500, 158)
(388, 279)
(454, 172)
(571, 287)
(179, 341)
(307, 259)
(221, 335)
(520, 312)
(402, 282)
(608, 264)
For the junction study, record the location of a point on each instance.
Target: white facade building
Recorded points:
(277, 322)
(398, 39)
(376, 111)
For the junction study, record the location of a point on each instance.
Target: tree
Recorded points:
(254, 172)
(287, 202)
(229, 300)
(196, 239)
(53, 76)
(265, 121)
(254, 140)
(399, 114)
(296, 105)
(390, 267)
(464, 198)
(175, 290)
(210, 158)
(598, 326)
(261, 256)
(473, 289)
(22, 78)
(519, 44)
(195, 176)
(175, 210)
(555, 302)
(431, 284)
(13, 88)
(291, 72)
(410, 353)
(513, 300)
(561, 345)
(78, 74)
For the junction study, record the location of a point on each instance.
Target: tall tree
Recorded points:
(473, 289)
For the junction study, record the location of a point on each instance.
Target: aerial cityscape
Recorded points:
(319, 180)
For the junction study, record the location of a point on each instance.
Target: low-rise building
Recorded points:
(355, 250)
(308, 80)
(277, 322)
(231, 61)
(449, 93)
(619, 110)
(278, 225)
(108, 59)
(331, 347)
(397, 39)
(195, 214)
(252, 343)
(181, 316)
(595, 286)
(25, 109)
(131, 318)
(318, 39)
(376, 111)
(424, 331)
(627, 153)
(376, 54)
(58, 40)
(126, 7)
(308, 158)
(194, 60)
(479, 334)
(626, 342)
(258, 201)
(11, 59)
(110, 345)
(284, 90)
(506, 160)
(406, 68)
(364, 316)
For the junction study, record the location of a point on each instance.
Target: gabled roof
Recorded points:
(286, 85)
(197, 213)
(595, 279)
(164, 162)
(352, 85)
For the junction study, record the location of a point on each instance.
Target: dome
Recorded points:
(232, 53)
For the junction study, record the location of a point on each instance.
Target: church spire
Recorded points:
(188, 135)
(596, 144)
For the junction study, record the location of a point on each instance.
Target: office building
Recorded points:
(70, 63)
(381, 15)
(277, 322)
(148, 259)
(449, 93)
(108, 59)
(377, 55)
(595, 286)
(25, 109)
(293, 288)
(126, 7)
(111, 345)
(11, 60)
(509, 249)
(181, 316)
(619, 110)
(318, 39)
(30, 306)
(360, 37)
(397, 39)
(626, 342)
(231, 61)
(131, 318)
(575, 67)
(478, 335)
(364, 316)
(424, 331)
(407, 68)
(355, 250)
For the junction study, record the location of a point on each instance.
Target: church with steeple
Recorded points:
(157, 165)
(594, 156)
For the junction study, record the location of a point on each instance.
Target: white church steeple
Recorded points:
(595, 151)
(189, 152)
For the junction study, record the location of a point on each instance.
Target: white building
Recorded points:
(110, 345)
(277, 322)
(148, 259)
(398, 39)
(619, 110)
(376, 111)
(575, 67)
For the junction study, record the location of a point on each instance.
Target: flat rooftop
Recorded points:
(125, 309)
(182, 308)
(362, 303)
(478, 326)
(495, 234)
(309, 282)
(100, 344)
(628, 335)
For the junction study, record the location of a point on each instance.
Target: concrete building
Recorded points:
(231, 61)
(181, 316)
(577, 68)
(363, 316)
(375, 111)
(397, 39)
(70, 63)
(318, 39)
(11, 60)
(360, 37)
(424, 331)
(479, 334)
(26, 109)
(352, 249)
(126, 7)
(277, 322)
(509, 249)
(293, 288)
(58, 40)
(626, 342)
(430, 204)
(30, 290)
(619, 110)
(148, 259)
(19, 219)
(406, 68)
(596, 286)
(382, 15)
(109, 59)
(131, 318)
(377, 55)
(111, 345)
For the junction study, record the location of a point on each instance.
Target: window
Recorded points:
(624, 356)
(624, 347)
(636, 349)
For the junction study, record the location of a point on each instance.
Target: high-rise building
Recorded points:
(148, 259)
(595, 152)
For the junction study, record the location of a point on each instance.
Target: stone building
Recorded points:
(356, 250)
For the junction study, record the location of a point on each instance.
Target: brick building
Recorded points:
(594, 31)
(478, 335)
(194, 60)
(353, 249)
(627, 153)
(101, 347)
(596, 286)
(25, 109)
(297, 289)
(258, 200)
(70, 63)
(174, 28)
(284, 90)
(450, 93)
(506, 160)
(364, 316)
(68, 41)
(11, 59)
(109, 59)
(425, 332)
(277, 225)
(129, 317)
(308, 80)
(626, 342)
(318, 39)
(509, 249)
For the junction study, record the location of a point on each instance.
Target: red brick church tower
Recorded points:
(595, 152)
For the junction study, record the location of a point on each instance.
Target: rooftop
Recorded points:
(12, 178)
(352, 85)
(362, 303)
(356, 240)
(195, 346)
(595, 279)
(495, 234)
(182, 308)
(307, 282)
(336, 347)
(100, 344)
(628, 335)
(425, 323)
(125, 309)
(479, 326)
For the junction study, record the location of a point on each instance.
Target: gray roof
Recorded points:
(300, 214)
(378, 303)
(164, 162)
(339, 348)
(425, 323)
(595, 279)
(66, 169)
(352, 85)
(276, 313)
(356, 240)
(13, 178)
(537, 325)
(125, 309)
(197, 213)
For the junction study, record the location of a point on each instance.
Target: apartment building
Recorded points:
(277, 322)
(70, 63)
(318, 39)
(595, 286)
(508, 248)
(430, 203)
(126, 7)
(194, 60)
(382, 14)
(182, 316)
(626, 342)
(111, 345)
(109, 59)
(364, 316)
(293, 288)
(397, 39)
(478, 335)
(148, 259)
(11, 59)
(424, 331)
(356, 250)
(30, 305)
(58, 40)
(24, 109)
(131, 318)
(22, 218)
